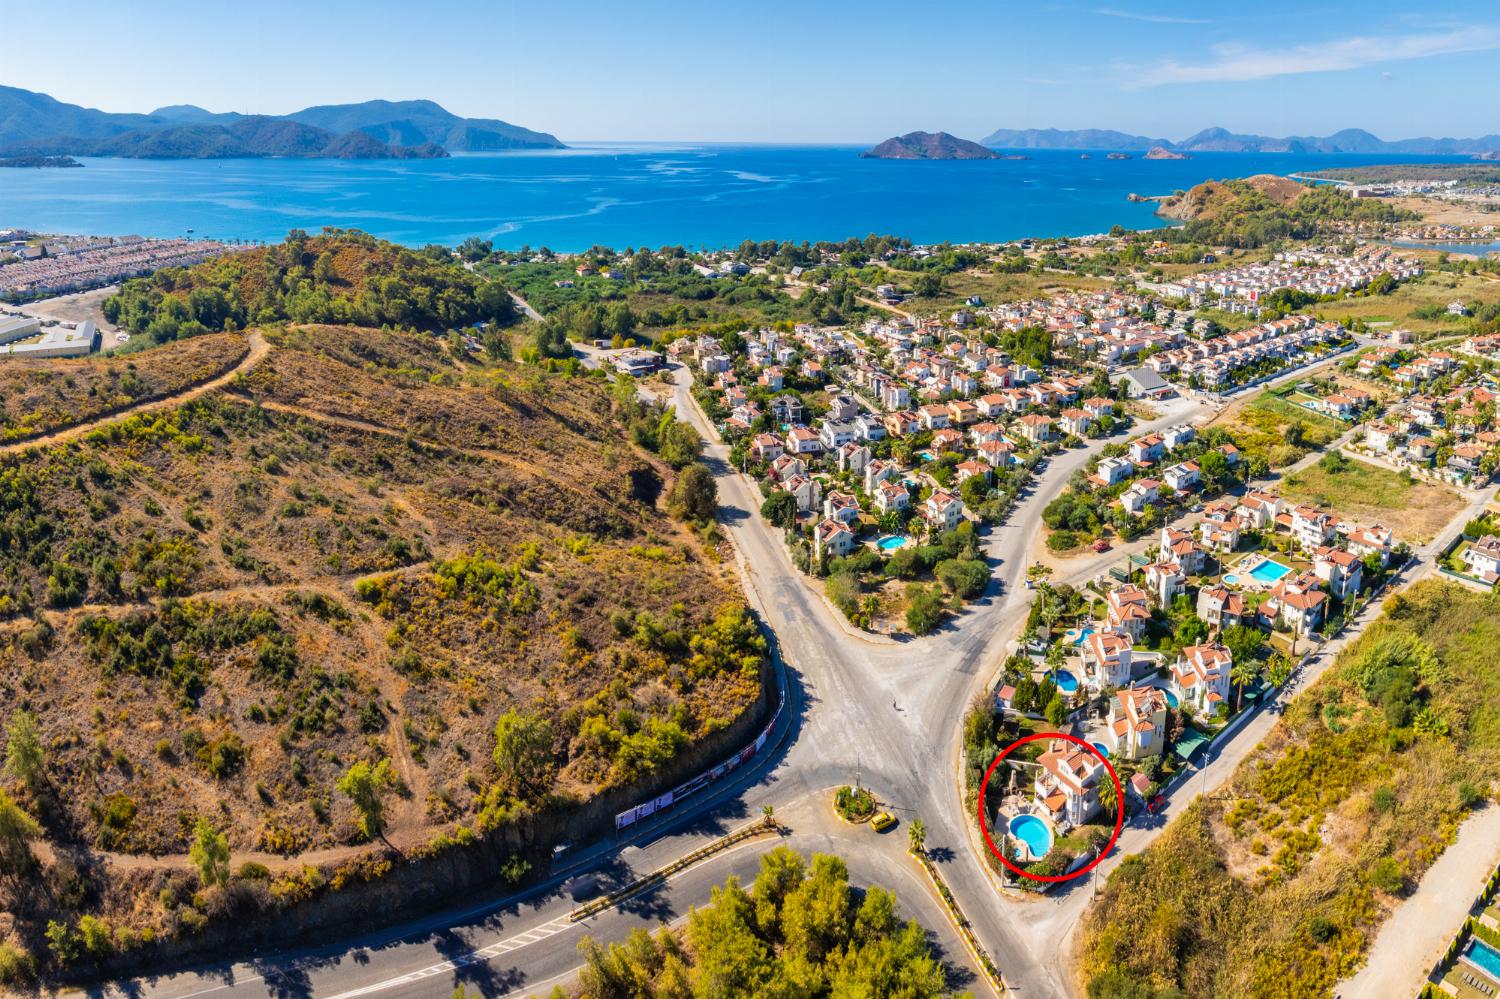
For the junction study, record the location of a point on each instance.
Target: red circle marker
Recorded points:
(1119, 807)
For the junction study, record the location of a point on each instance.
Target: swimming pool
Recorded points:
(1485, 956)
(1171, 698)
(1103, 749)
(890, 542)
(1083, 636)
(1232, 579)
(1033, 832)
(1067, 682)
(1269, 571)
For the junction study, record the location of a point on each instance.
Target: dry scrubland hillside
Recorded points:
(1275, 886)
(38, 396)
(361, 550)
(1212, 198)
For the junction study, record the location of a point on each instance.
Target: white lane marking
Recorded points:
(531, 936)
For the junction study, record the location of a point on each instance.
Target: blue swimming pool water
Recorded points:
(890, 542)
(1269, 571)
(1171, 698)
(1486, 957)
(1231, 579)
(1083, 636)
(1033, 832)
(1103, 749)
(1067, 682)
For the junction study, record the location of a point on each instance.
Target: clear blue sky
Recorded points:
(777, 70)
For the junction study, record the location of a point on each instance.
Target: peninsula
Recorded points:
(34, 124)
(930, 146)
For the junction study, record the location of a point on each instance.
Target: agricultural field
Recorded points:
(372, 590)
(1357, 490)
(1276, 886)
(38, 396)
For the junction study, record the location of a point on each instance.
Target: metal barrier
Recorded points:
(661, 874)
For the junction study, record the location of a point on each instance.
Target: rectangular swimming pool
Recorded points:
(1269, 571)
(1486, 957)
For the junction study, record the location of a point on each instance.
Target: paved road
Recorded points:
(1418, 932)
(887, 712)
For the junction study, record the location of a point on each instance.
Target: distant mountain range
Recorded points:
(1219, 140)
(929, 146)
(33, 124)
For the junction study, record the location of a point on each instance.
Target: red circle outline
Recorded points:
(984, 827)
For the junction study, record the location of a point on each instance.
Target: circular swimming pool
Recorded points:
(1067, 682)
(1034, 833)
(1103, 749)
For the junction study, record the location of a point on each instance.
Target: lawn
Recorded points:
(1275, 885)
(1362, 492)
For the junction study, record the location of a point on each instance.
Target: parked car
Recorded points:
(1156, 804)
(1101, 545)
(883, 821)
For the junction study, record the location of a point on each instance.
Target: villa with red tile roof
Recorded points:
(1129, 610)
(1200, 677)
(1138, 722)
(1067, 785)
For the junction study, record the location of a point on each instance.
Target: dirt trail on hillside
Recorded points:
(257, 353)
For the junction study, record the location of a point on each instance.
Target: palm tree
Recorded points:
(916, 834)
(1108, 800)
(1241, 674)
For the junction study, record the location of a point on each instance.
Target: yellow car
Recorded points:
(883, 821)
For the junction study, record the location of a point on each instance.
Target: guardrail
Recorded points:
(961, 922)
(661, 874)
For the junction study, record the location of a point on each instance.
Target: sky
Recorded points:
(807, 71)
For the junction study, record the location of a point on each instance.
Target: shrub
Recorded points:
(1061, 541)
(1388, 875)
(1321, 929)
(924, 608)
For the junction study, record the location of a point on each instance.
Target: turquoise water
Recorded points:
(1486, 957)
(1033, 832)
(1269, 571)
(1103, 749)
(1172, 701)
(1231, 579)
(1083, 636)
(890, 542)
(1067, 682)
(625, 195)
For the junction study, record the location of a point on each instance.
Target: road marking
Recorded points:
(516, 942)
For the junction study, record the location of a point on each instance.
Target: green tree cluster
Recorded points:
(801, 930)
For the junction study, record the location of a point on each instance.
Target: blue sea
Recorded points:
(624, 195)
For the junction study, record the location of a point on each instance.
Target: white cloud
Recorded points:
(1149, 18)
(1236, 63)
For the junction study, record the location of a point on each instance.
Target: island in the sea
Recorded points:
(932, 146)
(1163, 153)
(36, 125)
(38, 161)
